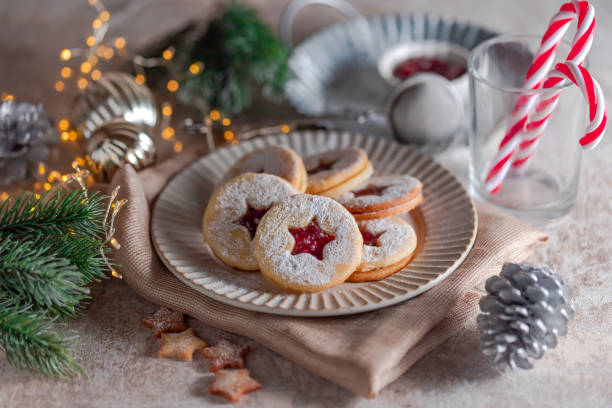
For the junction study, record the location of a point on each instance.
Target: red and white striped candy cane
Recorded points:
(535, 76)
(598, 115)
(538, 119)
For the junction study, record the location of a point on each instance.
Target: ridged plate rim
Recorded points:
(448, 239)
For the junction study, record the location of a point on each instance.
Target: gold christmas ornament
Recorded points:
(117, 142)
(116, 95)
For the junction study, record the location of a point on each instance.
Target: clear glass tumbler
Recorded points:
(546, 189)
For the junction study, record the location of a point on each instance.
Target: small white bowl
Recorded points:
(420, 118)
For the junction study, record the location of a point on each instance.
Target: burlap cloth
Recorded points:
(362, 353)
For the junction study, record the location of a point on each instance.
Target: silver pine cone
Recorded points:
(25, 135)
(527, 308)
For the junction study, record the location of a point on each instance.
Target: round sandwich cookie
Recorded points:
(388, 245)
(387, 212)
(280, 161)
(330, 169)
(381, 193)
(308, 243)
(234, 212)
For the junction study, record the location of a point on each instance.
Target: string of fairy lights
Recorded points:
(81, 65)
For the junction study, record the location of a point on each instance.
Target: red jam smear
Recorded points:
(311, 240)
(449, 70)
(250, 219)
(322, 167)
(370, 191)
(369, 238)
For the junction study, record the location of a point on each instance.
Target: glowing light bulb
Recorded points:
(226, 122)
(85, 67)
(215, 115)
(82, 83)
(96, 74)
(104, 16)
(178, 146)
(172, 85)
(168, 133)
(195, 68)
(119, 42)
(166, 109)
(90, 41)
(167, 54)
(59, 86)
(66, 72)
(63, 124)
(65, 54)
(140, 79)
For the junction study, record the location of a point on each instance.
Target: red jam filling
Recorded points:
(449, 70)
(322, 167)
(369, 238)
(370, 191)
(251, 219)
(311, 240)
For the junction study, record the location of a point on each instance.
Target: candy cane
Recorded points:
(538, 120)
(598, 115)
(535, 76)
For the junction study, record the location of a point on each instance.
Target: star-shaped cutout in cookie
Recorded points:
(233, 384)
(225, 354)
(181, 345)
(165, 320)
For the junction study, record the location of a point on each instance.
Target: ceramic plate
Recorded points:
(445, 222)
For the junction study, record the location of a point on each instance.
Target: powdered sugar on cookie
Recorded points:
(229, 240)
(380, 191)
(274, 243)
(280, 161)
(329, 169)
(396, 239)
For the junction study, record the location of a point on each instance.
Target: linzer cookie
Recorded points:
(280, 161)
(308, 243)
(383, 196)
(233, 213)
(388, 245)
(337, 171)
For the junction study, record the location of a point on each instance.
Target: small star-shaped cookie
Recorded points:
(165, 320)
(225, 354)
(181, 345)
(233, 384)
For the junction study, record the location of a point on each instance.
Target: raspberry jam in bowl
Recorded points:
(438, 57)
(448, 69)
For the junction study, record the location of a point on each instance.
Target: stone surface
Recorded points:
(119, 353)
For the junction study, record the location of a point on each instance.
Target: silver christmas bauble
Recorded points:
(117, 142)
(527, 308)
(116, 95)
(26, 136)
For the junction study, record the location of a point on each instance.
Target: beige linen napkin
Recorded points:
(362, 353)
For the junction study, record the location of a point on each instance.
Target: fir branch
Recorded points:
(238, 51)
(30, 342)
(34, 273)
(57, 213)
(84, 253)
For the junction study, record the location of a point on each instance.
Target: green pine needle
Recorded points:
(84, 253)
(34, 273)
(57, 213)
(50, 249)
(238, 52)
(30, 342)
